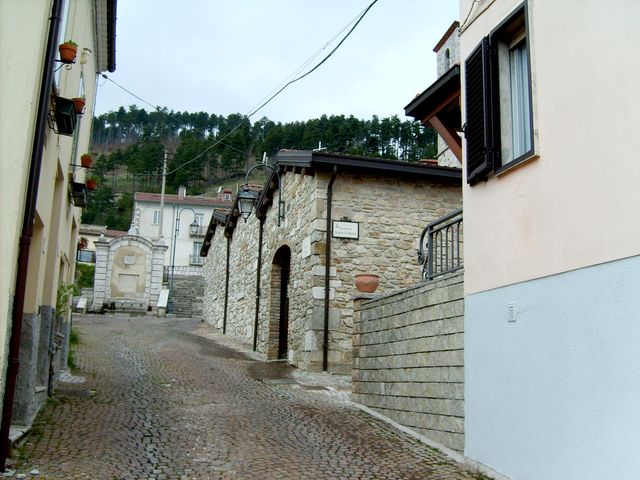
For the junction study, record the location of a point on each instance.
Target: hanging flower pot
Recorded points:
(68, 51)
(78, 104)
(91, 183)
(367, 282)
(86, 161)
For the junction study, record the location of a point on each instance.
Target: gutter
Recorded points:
(37, 149)
(255, 322)
(327, 270)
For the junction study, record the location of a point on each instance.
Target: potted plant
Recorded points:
(68, 51)
(86, 161)
(78, 104)
(91, 183)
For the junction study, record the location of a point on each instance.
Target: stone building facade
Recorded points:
(389, 202)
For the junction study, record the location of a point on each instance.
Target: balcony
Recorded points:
(440, 249)
(199, 232)
(196, 260)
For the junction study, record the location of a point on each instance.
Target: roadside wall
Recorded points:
(409, 359)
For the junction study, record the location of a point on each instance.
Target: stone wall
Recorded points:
(390, 226)
(409, 358)
(214, 280)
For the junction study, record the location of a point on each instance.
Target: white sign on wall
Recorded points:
(342, 229)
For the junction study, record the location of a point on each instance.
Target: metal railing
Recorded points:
(200, 232)
(196, 260)
(440, 249)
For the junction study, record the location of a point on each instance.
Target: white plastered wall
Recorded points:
(575, 204)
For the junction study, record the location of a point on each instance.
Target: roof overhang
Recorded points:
(439, 106)
(105, 30)
(219, 218)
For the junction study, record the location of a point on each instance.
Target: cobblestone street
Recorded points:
(170, 398)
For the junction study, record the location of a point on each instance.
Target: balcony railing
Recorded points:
(200, 232)
(440, 249)
(196, 260)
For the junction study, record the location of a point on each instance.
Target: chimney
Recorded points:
(182, 192)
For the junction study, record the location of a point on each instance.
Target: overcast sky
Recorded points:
(225, 56)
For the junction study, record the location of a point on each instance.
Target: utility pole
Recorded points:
(164, 180)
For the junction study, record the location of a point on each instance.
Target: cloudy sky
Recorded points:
(226, 56)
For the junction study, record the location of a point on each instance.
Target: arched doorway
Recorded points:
(279, 301)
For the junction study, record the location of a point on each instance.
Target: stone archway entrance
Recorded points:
(279, 305)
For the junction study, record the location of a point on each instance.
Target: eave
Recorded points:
(439, 106)
(105, 31)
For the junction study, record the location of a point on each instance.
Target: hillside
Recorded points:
(207, 151)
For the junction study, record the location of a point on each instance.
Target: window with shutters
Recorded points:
(498, 100)
(156, 217)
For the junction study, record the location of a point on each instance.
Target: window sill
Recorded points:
(515, 164)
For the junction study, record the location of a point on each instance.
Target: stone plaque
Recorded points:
(342, 229)
(129, 259)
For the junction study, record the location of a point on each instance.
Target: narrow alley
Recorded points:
(168, 399)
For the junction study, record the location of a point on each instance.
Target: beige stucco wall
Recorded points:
(23, 35)
(554, 213)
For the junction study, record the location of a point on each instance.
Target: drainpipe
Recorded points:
(226, 288)
(255, 322)
(46, 83)
(327, 270)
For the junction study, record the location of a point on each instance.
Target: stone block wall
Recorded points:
(390, 225)
(214, 280)
(409, 358)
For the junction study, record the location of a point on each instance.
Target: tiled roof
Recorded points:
(177, 200)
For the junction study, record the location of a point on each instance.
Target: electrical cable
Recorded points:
(355, 22)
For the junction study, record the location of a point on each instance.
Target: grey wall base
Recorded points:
(35, 362)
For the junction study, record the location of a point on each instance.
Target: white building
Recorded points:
(179, 210)
(552, 237)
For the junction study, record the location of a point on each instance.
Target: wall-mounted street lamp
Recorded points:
(247, 198)
(193, 229)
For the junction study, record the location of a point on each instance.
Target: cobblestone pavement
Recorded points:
(168, 399)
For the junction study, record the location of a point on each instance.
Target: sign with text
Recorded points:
(346, 230)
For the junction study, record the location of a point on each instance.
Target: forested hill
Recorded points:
(128, 145)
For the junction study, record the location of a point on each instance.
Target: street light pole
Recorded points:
(192, 227)
(247, 198)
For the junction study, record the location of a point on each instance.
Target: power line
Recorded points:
(159, 110)
(355, 22)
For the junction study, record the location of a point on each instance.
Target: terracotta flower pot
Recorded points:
(91, 184)
(367, 282)
(78, 105)
(86, 161)
(68, 52)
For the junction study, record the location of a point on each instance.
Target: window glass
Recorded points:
(156, 217)
(520, 99)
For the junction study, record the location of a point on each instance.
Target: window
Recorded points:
(498, 103)
(197, 246)
(156, 217)
(227, 196)
(199, 219)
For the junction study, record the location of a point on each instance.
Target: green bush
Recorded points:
(84, 276)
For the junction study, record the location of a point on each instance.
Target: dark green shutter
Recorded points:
(478, 131)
